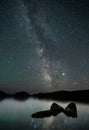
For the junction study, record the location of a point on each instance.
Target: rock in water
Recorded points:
(42, 114)
(71, 110)
(56, 109)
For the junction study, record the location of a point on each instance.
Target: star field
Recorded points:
(44, 45)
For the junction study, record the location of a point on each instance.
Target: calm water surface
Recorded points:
(16, 115)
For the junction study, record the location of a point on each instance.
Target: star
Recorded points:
(63, 74)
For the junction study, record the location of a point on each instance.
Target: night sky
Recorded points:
(44, 45)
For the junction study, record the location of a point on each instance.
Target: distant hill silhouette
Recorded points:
(21, 95)
(3, 95)
(78, 96)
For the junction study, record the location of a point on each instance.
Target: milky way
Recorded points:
(44, 45)
(41, 36)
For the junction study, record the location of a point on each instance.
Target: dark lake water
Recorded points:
(16, 115)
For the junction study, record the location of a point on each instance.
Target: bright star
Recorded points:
(63, 73)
